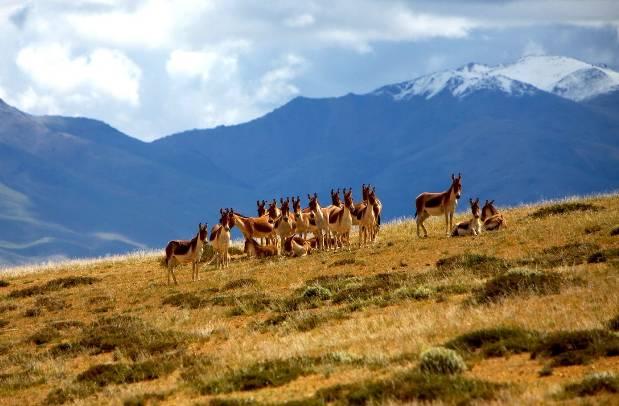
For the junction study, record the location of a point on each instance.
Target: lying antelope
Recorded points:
(296, 246)
(185, 252)
(253, 249)
(255, 227)
(340, 220)
(491, 218)
(220, 237)
(305, 221)
(435, 204)
(469, 227)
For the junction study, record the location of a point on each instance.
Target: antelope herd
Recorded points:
(282, 231)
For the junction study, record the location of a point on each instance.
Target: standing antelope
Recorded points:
(335, 198)
(434, 204)
(378, 209)
(220, 237)
(284, 223)
(304, 219)
(367, 219)
(490, 216)
(185, 252)
(469, 227)
(321, 214)
(255, 227)
(340, 220)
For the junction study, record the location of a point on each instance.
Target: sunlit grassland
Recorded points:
(332, 327)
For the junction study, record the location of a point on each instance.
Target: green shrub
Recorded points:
(4, 283)
(613, 324)
(593, 384)
(185, 300)
(71, 393)
(44, 336)
(317, 291)
(496, 342)
(569, 254)
(577, 347)
(114, 374)
(240, 283)
(519, 281)
(143, 399)
(440, 360)
(563, 208)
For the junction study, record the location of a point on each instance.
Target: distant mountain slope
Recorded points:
(76, 186)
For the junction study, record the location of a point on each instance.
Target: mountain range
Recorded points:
(541, 127)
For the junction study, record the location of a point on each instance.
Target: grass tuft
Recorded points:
(495, 342)
(519, 281)
(563, 208)
(54, 285)
(440, 360)
(44, 335)
(114, 374)
(131, 336)
(593, 384)
(186, 300)
(240, 283)
(613, 324)
(480, 265)
(568, 254)
(614, 231)
(4, 283)
(577, 347)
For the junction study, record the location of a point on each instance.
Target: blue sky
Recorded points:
(154, 67)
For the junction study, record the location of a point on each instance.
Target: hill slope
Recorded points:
(331, 327)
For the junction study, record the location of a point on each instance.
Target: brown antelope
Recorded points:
(220, 237)
(261, 207)
(472, 226)
(335, 198)
(253, 249)
(360, 205)
(491, 218)
(186, 252)
(367, 220)
(255, 227)
(296, 246)
(378, 209)
(321, 214)
(435, 204)
(304, 219)
(284, 223)
(340, 220)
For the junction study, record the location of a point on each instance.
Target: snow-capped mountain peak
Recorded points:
(563, 76)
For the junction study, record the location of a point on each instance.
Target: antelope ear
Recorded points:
(281, 200)
(316, 195)
(309, 197)
(221, 211)
(459, 175)
(486, 202)
(491, 201)
(453, 177)
(471, 201)
(332, 191)
(477, 200)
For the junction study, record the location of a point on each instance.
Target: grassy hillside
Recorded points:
(532, 310)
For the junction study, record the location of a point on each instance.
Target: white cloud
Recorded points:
(300, 21)
(219, 62)
(276, 85)
(31, 101)
(101, 73)
(151, 24)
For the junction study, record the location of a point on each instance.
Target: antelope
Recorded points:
(360, 205)
(253, 249)
(185, 252)
(296, 246)
(491, 218)
(284, 223)
(322, 221)
(367, 219)
(469, 227)
(261, 210)
(434, 204)
(304, 219)
(220, 237)
(335, 198)
(258, 227)
(378, 209)
(340, 220)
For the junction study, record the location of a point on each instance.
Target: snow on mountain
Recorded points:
(563, 76)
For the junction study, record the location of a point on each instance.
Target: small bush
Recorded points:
(440, 360)
(577, 347)
(603, 256)
(20, 380)
(496, 342)
(416, 293)
(66, 324)
(317, 291)
(44, 336)
(33, 312)
(592, 229)
(240, 283)
(480, 265)
(114, 374)
(7, 308)
(545, 371)
(130, 335)
(4, 283)
(614, 231)
(263, 374)
(71, 393)
(3, 323)
(186, 300)
(593, 384)
(50, 303)
(53, 285)
(65, 349)
(143, 399)
(519, 281)
(569, 254)
(563, 208)
(411, 386)
(347, 261)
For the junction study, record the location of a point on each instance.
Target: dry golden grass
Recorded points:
(234, 324)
